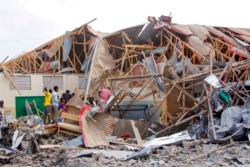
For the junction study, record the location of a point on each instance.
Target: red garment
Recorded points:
(83, 113)
(105, 94)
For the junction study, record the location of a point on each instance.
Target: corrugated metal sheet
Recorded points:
(240, 31)
(183, 29)
(199, 45)
(92, 135)
(95, 129)
(225, 37)
(245, 37)
(105, 122)
(199, 31)
(103, 59)
(241, 49)
(52, 48)
(67, 44)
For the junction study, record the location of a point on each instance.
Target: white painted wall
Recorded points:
(70, 82)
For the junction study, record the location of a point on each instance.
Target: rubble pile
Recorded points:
(41, 146)
(188, 153)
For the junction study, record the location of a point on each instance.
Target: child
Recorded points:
(62, 104)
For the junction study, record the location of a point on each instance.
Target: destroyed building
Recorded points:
(163, 73)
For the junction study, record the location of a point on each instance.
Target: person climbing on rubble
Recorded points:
(47, 105)
(55, 104)
(2, 115)
(104, 95)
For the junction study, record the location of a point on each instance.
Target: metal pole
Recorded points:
(91, 69)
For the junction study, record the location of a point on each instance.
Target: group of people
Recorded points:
(53, 104)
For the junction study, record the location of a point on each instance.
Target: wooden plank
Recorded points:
(69, 126)
(50, 146)
(137, 95)
(210, 110)
(134, 77)
(4, 59)
(7, 74)
(80, 30)
(70, 116)
(138, 46)
(225, 70)
(159, 105)
(137, 134)
(195, 53)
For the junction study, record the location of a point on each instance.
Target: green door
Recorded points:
(35, 103)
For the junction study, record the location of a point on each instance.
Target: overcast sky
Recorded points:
(27, 24)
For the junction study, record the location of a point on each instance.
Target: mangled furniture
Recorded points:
(70, 124)
(67, 127)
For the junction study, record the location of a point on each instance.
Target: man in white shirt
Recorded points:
(55, 104)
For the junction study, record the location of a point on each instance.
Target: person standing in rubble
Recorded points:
(2, 116)
(66, 96)
(55, 104)
(47, 105)
(104, 94)
(50, 110)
